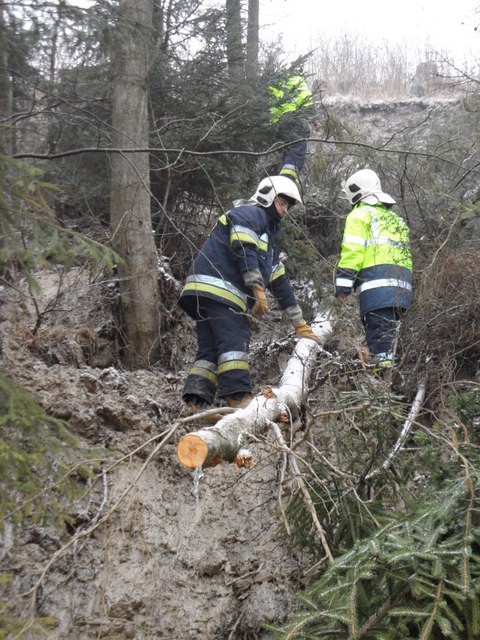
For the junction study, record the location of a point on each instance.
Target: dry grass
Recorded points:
(443, 326)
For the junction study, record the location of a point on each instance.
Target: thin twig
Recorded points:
(281, 480)
(409, 422)
(381, 613)
(303, 488)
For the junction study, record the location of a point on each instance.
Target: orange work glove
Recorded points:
(260, 308)
(304, 330)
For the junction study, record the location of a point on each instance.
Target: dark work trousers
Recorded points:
(292, 127)
(295, 154)
(380, 331)
(221, 364)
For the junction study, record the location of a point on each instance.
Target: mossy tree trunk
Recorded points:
(130, 216)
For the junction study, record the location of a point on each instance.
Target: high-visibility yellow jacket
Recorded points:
(375, 259)
(291, 95)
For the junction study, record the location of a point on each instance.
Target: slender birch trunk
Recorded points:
(227, 440)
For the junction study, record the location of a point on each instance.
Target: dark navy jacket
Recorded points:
(242, 241)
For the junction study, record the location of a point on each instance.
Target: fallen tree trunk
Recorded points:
(226, 441)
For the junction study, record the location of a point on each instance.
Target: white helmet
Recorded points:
(364, 186)
(273, 186)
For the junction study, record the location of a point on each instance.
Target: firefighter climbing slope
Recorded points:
(292, 111)
(376, 262)
(226, 281)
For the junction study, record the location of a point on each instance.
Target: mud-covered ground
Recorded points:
(154, 552)
(147, 553)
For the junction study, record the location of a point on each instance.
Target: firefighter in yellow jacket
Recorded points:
(376, 262)
(292, 110)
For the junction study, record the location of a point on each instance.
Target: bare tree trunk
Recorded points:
(6, 96)
(235, 53)
(130, 217)
(227, 440)
(253, 28)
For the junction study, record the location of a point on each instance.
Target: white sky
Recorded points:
(439, 25)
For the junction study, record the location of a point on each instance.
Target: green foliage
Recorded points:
(443, 324)
(30, 235)
(466, 404)
(302, 254)
(358, 441)
(39, 474)
(405, 541)
(417, 578)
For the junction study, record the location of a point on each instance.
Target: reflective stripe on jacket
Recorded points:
(242, 240)
(375, 259)
(290, 95)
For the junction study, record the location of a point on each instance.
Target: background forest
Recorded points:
(126, 128)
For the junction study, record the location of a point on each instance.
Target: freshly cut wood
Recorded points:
(227, 440)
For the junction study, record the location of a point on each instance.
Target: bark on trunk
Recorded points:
(235, 51)
(130, 197)
(6, 95)
(253, 38)
(225, 441)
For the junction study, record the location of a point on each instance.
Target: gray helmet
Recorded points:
(364, 186)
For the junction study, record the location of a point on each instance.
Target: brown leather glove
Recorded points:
(260, 308)
(304, 330)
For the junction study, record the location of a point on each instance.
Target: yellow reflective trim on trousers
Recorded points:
(219, 292)
(233, 365)
(289, 172)
(203, 373)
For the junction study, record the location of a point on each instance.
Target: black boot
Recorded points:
(196, 404)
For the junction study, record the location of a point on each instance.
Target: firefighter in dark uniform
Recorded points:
(225, 282)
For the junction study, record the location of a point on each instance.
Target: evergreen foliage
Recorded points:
(39, 469)
(30, 235)
(417, 576)
(301, 262)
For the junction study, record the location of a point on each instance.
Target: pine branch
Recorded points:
(384, 609)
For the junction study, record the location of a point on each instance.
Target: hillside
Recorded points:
(171, 560)
(143, 548)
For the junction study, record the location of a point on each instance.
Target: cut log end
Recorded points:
(192, 451)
